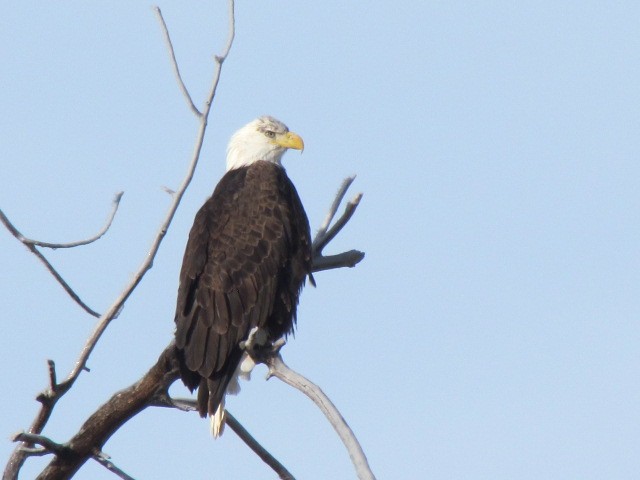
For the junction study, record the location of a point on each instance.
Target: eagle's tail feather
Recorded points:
(218, 420)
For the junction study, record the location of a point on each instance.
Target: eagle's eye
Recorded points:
(270, 134)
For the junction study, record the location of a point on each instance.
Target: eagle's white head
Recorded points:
(265, 138)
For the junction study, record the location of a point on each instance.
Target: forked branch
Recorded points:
(327, 232)
(32, 245)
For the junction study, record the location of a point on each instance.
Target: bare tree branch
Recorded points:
(346, 259)
(30, 245)
(78, 243)
(327, 232)
(49, 445)
(105, 421)
(349, 210)
(322, 231)
(104, 460)
(174, 63)
(187, 404)
(279, 369)
(258, 449)
(35, 452)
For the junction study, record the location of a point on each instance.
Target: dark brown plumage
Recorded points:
(245, 263)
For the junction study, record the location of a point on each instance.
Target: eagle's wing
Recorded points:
(232, 276)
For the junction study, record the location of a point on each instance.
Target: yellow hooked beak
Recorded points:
(289, 140)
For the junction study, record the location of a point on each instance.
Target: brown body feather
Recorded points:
(246, 260)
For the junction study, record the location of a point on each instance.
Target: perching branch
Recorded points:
(278, 369)
(263, 351)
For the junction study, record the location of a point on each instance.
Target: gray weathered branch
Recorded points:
(327, 232)
(31, 244)
(269, 354)
(77, 243)
(187, 404)
(104, 460)
(278, 369)
(174, 63)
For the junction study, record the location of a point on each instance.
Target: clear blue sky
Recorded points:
(492, 330)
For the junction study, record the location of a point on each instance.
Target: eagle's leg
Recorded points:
(259, 347)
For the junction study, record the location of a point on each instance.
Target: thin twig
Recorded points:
(53, 382)
(349, 210)
(259, 450)
(104, 460)
(346, 183)
(279, 369)
(78, 243)
(14, 231)
(174, 63)
(187, 404)
(326, 234)
(231, 33)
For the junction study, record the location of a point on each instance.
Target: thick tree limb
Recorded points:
(122, 406)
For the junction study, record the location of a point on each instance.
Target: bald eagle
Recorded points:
(246, 260)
